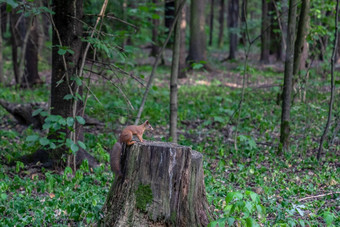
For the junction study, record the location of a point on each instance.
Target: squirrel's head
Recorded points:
(147, 125)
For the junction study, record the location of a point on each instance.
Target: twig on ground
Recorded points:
(318, 196)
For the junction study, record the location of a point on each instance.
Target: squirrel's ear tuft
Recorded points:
(146, 122)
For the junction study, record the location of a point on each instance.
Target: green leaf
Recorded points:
(328, 217)
(82, 145)
(68, 97)
(70, 121)
(219, 119)
(3, 196)
(44, 141)
(53, 146)
(251, 222)
(70, 51)
(74, 148)
(37, 111)
(32, 138)
(80, 120)
(13, 4)
(62, 51)
(230, 221)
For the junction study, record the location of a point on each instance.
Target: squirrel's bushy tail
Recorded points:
(115, 154)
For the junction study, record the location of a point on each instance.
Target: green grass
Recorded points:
(248, 185)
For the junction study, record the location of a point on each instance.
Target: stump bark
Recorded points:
(162, 185)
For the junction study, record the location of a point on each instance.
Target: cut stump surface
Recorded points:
(162, 185)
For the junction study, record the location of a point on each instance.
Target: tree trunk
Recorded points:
(31, 75)
(284, 27)
(265, 33)
(162, 185)
(211, 31)
(69, 35)
(174, 76)
(14, 45)
(155, 27)
(197, 47)
(288, 77)
(301, 35)
(169, 12)
(2, 79)
(221, 22)
(233, 10)
(244, 6)
(182, 48)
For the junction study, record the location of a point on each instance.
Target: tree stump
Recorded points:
(162, 185)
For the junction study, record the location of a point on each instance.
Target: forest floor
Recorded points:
(245, 183)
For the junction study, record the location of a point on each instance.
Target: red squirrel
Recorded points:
(126, 137)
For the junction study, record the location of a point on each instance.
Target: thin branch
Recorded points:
(318, 196)
(154, 67)
(111, 16)
(331, 101)
(120, 90)
(123, 21)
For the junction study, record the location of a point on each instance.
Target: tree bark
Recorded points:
(31, 76)
(155, 25)
(14, 45)
(68, 33)
(288, 77)
(221, 22)
(197, 47)
(169, 13)
(162, 185)
(301, 35)
(284, 27)
(244, 6)
(174, 76)
(182, 48)
(211, 31)
(233, 13)
(265, 33)
(1, 58)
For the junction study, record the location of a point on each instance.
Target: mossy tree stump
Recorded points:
(162, 185)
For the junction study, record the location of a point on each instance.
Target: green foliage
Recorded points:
(52, 198)
(245, 209)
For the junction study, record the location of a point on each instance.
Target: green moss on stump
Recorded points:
(143, 197)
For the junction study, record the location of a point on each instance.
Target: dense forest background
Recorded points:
(252, 85)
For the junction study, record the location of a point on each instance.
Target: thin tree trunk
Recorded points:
(284, 27)
(173, 79)
(155, 27)
(301, 35)
(232, 26)
(265, 33)
(331, 101)
(2, 79)
(221, 22)
(243, 39)
(31, 75)
(288, 77)
(182, 55)
(197, 47)
(14, 45)
(211, 22)
(169, 14)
